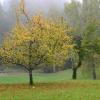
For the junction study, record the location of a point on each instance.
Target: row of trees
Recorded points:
(85, 19)
(42, 41)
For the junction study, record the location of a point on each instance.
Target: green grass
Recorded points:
(62, 76)
(71, 90)
(37, 77)
(56, 86)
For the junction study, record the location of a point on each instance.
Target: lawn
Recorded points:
(37, 77)
(71, 90)
(56, 86)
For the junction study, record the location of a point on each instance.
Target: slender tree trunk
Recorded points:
(30, 77)
(54, 68)
(93, 67)
(94, 71)
(74, 76)
(30, 63)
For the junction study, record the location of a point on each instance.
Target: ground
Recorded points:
(57, 86)
(71, 90)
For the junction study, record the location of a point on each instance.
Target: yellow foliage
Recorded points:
(49, 41)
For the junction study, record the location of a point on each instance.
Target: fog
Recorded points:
(7, 10)
(46, 7)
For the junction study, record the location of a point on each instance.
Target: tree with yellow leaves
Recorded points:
(38, 41)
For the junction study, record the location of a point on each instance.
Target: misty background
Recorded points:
(76, 12)
(46, 7)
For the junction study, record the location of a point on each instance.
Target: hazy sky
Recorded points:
(1, 1)
(44, 1)
(38, 5)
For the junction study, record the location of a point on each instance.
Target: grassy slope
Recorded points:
(66, 75)
(57, 86)
(72, 90)
(37, 77)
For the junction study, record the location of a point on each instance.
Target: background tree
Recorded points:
(91, 44)
(77, 56)
(79, 15)
(73, 15)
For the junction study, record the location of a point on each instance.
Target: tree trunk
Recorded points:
(93, 67)
(54, 68)
(94, 72)
(30, 63)
(30, 77)
(74, 76)
(75, 68)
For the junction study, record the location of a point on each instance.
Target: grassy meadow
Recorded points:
(56, 86)
(71, 90)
